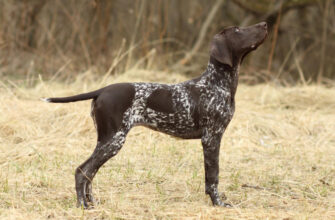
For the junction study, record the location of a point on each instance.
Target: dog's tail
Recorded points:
(75, 98)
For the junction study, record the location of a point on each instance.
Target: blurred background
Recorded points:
(64, 38)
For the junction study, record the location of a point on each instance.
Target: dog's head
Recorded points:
(232, 44)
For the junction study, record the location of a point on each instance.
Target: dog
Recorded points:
(200, 108)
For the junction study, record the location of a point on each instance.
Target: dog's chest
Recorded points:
(216, 107)
(216, 103)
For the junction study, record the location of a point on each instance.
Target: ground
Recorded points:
(277, 157)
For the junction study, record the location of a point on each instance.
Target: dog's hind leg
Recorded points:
(111, 137)
(86, 171)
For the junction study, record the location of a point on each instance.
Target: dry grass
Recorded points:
(277, 158)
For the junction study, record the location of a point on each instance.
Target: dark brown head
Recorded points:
(232, 44)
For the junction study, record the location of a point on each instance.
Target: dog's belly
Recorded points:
(190, 133)
(178, 124)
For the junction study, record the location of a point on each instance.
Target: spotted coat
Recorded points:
(200, 108)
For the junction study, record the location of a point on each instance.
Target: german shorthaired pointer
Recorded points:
(200, 108)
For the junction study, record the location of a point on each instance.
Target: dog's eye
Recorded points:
(237, 29)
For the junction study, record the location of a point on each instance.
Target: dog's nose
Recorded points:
(264, 25)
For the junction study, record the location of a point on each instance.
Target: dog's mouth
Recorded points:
(264, 37)
(254, 46)
(261, 35)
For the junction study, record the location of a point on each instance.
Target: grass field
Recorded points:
(277, 157)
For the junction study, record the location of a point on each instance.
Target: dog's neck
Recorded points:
(222, 75)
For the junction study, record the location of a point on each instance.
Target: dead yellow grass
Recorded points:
(277, 157)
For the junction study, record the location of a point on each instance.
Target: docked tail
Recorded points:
(75, 98)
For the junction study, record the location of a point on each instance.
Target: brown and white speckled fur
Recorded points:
(200, 108)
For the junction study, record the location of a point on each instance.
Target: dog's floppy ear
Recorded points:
(220, 51)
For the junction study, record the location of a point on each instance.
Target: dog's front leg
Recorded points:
(211, 148)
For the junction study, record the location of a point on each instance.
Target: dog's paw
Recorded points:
(84, 205)
(90, 199)
(223, 204)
